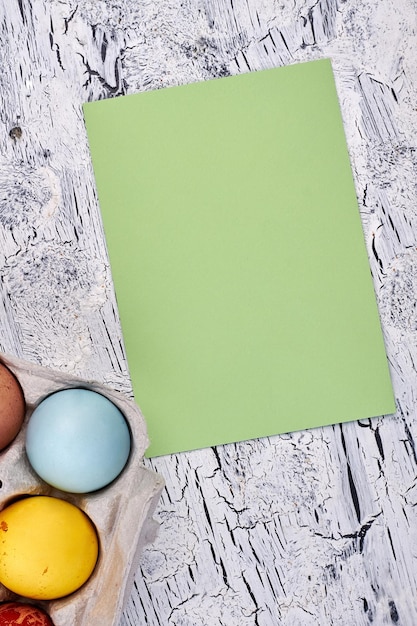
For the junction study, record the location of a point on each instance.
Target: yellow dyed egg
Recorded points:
(48, 547)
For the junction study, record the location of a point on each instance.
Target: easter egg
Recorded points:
(20, 614)
(48, 547)
(12, 406)
(77, 440)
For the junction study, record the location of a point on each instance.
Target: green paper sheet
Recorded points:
(238, 257)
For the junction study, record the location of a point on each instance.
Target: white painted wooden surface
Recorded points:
(312, 528)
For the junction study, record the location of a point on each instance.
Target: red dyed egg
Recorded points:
(17, 613)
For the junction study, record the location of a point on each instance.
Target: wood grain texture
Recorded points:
(314, 528)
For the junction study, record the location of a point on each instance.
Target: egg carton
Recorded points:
(122, 511)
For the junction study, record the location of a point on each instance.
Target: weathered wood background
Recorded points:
(313, 528)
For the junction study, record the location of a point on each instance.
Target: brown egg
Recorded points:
(12, 406)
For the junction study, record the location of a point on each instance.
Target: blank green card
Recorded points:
(237, 253)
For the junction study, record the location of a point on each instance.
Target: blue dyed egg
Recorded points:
(77, 440)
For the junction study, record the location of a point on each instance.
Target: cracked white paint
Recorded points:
(307, 529)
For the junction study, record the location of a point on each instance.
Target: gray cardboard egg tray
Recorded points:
(122, 512)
